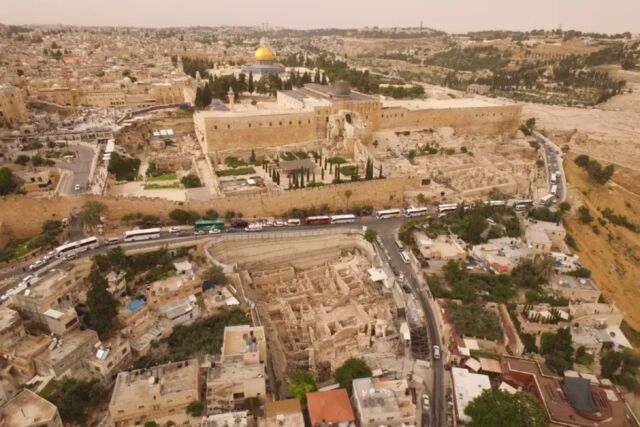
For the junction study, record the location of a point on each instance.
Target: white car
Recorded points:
(77, 187)
(36, 265)
(253, 227)
(425, 402)
(436, 352)
(279, 224)
(215, 231)
(27, 280)
(174, 229)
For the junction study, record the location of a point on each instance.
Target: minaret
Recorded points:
(232, 96)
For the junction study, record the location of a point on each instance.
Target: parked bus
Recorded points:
(343, 219)
(208, 224)
(144, 234)
(447, 207)
(521, 204)
(412, 212)
(399, 244)
(317, 220)
(495, 203)
(405, 257)
(554, 178)
(546, 200)
(388, 213)
(73, 248)
(554, 190)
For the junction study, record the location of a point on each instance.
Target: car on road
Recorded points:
(215, 231)
(77, 187)
(279, 223)
(293, 221)
(173, 229)
(426, 405)
(436, 352)
(200, 232)
(253, 227)
(111, 240)
(36, 265)
(181, 233)
(28, 279)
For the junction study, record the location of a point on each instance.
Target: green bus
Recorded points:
(208, 224)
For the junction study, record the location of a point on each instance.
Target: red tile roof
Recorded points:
(331, 406)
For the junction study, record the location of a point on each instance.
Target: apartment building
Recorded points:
(66, 358)
(383, 402)
(28, 409)
(149, 394)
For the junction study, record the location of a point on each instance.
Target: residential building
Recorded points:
(173, 289)
(67, 356)
(576, 289)
(330, 408)
(228, 419)
(466, 387)
(542, 236)
(109, 358)
(35, 180)
(442, 248)
(148, 394)
(231, 380)
(501, 255)
(28, 409)
(283, 413)
(11, 329)
(383, 402)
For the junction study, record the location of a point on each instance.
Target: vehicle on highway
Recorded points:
(27, 279)
(143, 234)
(399, 244)
(405, 257)
(343, 219)
(77, 187)
(281, 223)
(413, 212)
(388, 213)
(554, 178)
(521, 204)
(292, 221)
(173, 229)
(111, 240)
(436, 352)
(202, 232)
(253, 227)
(79, 246)
(547, 200)
(317, 220)
(239, 223)
(181, 233)
(36, 265)
(495, 203)
(215, 231)
(447, 207)
(208, 224)
(554, 190)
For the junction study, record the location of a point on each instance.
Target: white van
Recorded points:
(399, 244)
(405, 257)
(436, 352)
(293, 221)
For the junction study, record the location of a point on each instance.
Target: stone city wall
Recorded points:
(22, 216)
(485, 120)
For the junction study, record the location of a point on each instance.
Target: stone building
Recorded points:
(13, 111)
(68, 356)
(28, 409)
(382, 402)
(149, 394)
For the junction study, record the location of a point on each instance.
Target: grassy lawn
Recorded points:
(161, 186)
(164, 177)
(236, 171)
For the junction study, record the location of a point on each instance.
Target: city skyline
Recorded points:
(454, 16)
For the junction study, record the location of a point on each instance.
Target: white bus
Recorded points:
(547, 199)
(521, 204)
(399, 244)
(144, 234)
(73, 248)
(343, 219)
(412, 212)
(388, 213)
(554, 190)
(494, 203)
(447, 207)
(405, 257)
(554, 178)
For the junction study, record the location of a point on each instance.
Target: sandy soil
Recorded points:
(613, 254)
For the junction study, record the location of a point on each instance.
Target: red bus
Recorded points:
(317, 220)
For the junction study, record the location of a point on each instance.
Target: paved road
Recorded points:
(553, 160)
(78, 170)
(387, 231)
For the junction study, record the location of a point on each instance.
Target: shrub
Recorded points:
(191, 181)
(475, 321)
(181, 216)
(238, 171)
(124, 168)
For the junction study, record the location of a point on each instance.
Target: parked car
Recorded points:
(215, 231)
(436, 352)
(174, 229)
(36, 265)
(77, 187)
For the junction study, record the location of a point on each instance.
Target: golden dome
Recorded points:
(263, 54)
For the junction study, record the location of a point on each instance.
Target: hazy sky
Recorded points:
(449, 15)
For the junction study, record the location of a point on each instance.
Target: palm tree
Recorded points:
(348, 194)
(90, 214)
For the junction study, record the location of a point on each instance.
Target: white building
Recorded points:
(466, 387)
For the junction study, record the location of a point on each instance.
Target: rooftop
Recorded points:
(382, 399)
(235, 369)
(441, 104)
(28, 409)
(163, 380)
(242, 339)
(8, 318)
(571, 282)
(331, 406)
(466, 387)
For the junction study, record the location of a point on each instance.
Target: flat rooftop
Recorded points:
(234, 369)
(242, 339)
(466, 387)
(443, 104)
(28, 409)
(381, 398)
(169, 379)
(70, 343)
(571, 282)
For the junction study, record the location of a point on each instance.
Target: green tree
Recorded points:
(90, 214)
(250, 85)
(582, 160)
(100, 303)
(214, 274)
(347, 195)
(584, 214)
(195, 408)
(350, 370)
(74, 398)
(211, 214)
(150, 424)
(191, 181)
(22, 159)
(301, 383)
(182, 216)
(564, 207)
(370, 235)
(6, 181)
(497, 408)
